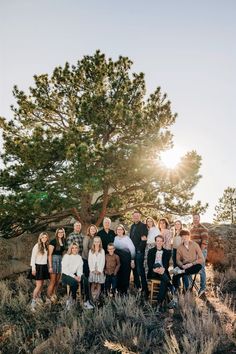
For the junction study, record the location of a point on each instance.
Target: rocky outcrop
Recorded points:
(15, 254)
(222, 245)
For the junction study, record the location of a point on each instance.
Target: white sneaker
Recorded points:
(177, 271)
(69, 304)
(88, 305)
(33, 305)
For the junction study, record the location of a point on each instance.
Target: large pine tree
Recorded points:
(86, 141)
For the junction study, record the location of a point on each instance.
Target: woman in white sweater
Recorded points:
(72, 274)
(39, 266)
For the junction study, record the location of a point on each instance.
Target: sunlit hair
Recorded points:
(159, 236)
(93, 245)
(196, 214)
(181, 226)
(88, 230)
(70, 247)
(150, 218)
(63, 239)
(184, 233)
(165, 221)
(106, 219)
(122, 227)
(43, 247)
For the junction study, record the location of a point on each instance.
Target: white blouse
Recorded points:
(152, 233)
(37, 257)
(126, 244)
(96, 261)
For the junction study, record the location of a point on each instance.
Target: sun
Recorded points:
(171, 158)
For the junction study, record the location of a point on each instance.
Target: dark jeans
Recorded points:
(139, 272)
(192, 270)
(164, 286)
(68, 280)
(85, 268)
(111, 283)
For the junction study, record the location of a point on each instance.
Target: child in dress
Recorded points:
(39, 266)
(96, 262)
(112, 266)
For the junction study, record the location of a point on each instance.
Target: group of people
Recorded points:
(103, 260)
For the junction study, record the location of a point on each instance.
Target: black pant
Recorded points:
(191, 270)
(139, 272)
(123, 275)
(164, 286)
(68, 280)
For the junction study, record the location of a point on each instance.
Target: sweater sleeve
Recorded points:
(102, 262)
(90, 261)
(131, 247)
(200, 258)
(179, 258)
(33, 257)
(79, 270)
(117, 264)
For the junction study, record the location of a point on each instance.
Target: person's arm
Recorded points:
(33, 259)
(204, 238)
(102, 261)
(179, 258)
(117, 265)
(144, 233)
(200, 258)
(79, 270)
(131, 247)
(50, 251)
(90, 261)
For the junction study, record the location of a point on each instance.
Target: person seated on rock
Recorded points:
(72, 275)
(158, 262)
(189, 258)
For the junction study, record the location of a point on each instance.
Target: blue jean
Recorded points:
(203, 271)
(111, 283)
(139, 272)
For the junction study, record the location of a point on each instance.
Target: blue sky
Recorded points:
(186, 47)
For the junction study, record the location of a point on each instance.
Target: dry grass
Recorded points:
(124, 325)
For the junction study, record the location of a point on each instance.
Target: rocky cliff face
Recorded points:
(222, 245)
(15, 253)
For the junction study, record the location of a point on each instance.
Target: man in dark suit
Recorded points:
(158, 262)
(138, 234)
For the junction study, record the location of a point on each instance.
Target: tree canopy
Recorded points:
(226, 208)
(86, 141)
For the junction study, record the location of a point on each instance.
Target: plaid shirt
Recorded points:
(75, 237)
(199, 234)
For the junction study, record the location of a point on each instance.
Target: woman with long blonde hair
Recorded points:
(96, 262)
(39, 266)
(87, 244)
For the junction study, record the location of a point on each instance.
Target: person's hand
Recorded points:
(97, 272)
(160, 270)
(50, 270)
(144, 238)
(33, 272)
(132, 264)
(77, 278)
(186, 266)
